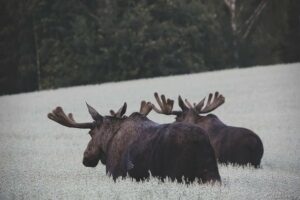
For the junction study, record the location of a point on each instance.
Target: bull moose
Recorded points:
(135, 145)
(231, 144)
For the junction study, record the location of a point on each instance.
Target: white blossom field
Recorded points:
(40, 159)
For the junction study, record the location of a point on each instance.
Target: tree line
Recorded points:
(53, 43)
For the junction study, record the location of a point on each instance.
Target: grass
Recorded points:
(42, 160)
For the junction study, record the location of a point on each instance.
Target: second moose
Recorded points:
(231, 144)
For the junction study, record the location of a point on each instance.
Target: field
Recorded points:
(40, 159)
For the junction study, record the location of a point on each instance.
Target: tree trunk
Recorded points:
(37, 56)
(232, 8)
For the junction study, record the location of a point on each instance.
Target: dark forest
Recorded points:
(52, 43)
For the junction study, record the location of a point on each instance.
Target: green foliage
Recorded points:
(52, 43)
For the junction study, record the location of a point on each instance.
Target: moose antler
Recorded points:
(120, 112)
(166, 106)
(146, 108)
(213, 102)
(58, 115)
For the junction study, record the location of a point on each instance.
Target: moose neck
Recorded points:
(119, 140)
(109, 136)
(137, 118)
(210, 122)
(125, 130)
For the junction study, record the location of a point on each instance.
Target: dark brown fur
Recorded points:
(231, 144)
(135, 146)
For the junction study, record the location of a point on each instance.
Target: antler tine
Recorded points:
(209, 100)
(70, 115)
(58, 115)
(216, 94)
(182, 104)
(159, 103)
(146, 108)
(199, 106)
(166, 105)
(212, 103)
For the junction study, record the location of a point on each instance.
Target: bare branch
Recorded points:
(254, 17)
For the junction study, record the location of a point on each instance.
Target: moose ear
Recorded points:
(95, 115)
(123, 109)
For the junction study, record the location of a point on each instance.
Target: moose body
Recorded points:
(231, 144)
(173, 150)
(135, 146)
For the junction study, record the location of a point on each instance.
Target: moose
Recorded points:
(231, 144)
(136, 146)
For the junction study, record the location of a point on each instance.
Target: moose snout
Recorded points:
(89, 161)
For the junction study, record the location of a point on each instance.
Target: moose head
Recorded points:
(102, 129)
